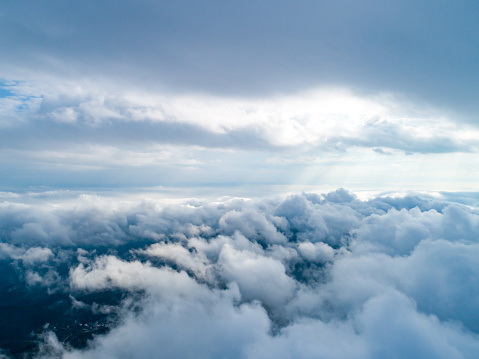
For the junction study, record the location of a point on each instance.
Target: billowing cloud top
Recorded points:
(303, 276)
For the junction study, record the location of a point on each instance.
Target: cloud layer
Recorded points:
(94, 134)
(118, 95)
(424, 49)
(327, 119)
(303, 276)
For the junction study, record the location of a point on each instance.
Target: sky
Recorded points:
(239, 179)
(225, 94)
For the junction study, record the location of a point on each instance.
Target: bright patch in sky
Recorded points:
(329, 136)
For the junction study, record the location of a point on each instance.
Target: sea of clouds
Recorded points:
(302, 276)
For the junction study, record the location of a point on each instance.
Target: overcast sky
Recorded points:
(359, 94)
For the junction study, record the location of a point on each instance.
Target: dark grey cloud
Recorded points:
(425, 50)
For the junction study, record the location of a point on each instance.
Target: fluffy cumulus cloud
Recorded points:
(303, 276)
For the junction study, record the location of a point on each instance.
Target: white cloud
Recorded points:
(96, 132)
(31, 256)
(317, 252)
(179, 255)
(110, 272)
(325, 118)
(36, 255)
(351, 278)
(252, 224)
(258, 277)
(184, 328)
(64, 114)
